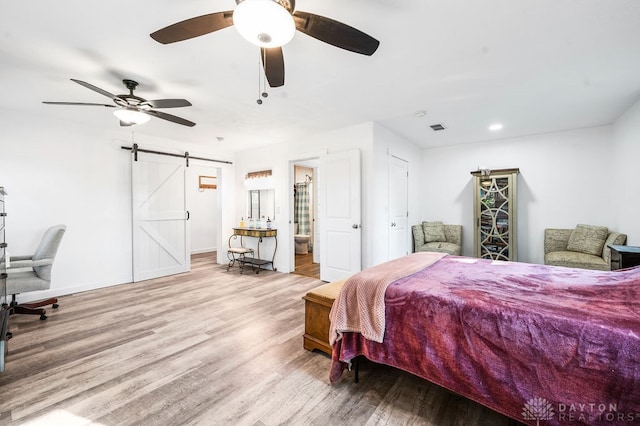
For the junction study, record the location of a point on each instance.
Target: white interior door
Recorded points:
(316, 220)
(339, 211)
(398, 208)
(160, 217)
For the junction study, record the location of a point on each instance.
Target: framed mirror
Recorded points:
(261, 204)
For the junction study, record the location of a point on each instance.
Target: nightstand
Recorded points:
(624, 256)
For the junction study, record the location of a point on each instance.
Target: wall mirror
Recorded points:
(261, 204)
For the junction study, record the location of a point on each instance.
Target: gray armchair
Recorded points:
(585, 247)
(33, 273)
(438, 237)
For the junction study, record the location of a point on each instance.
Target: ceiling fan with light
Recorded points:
(270, 24)
(132, 109)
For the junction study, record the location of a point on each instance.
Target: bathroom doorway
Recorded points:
(307, 257)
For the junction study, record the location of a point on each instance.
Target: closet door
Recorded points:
(399, 239)
(160, 217)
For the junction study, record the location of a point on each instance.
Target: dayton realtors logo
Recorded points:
(537, 409)
(540, 409)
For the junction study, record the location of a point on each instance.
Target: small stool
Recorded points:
(238, 254)
(318, 303)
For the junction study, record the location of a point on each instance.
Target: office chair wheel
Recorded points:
(55, 306)
(43, 317)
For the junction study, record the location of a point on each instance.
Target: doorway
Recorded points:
(203, 198)
(305, 235)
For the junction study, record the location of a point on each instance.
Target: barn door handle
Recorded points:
(188, 215)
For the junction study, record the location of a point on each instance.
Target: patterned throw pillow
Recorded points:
(433, 231)
(588, 239)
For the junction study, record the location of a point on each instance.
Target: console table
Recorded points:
(624, 256)
(258, 233)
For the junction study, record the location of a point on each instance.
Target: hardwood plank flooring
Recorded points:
(209, 347)
(306, 267)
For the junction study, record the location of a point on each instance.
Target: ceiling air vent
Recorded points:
(437, 127)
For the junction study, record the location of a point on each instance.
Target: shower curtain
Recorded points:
(301, 208)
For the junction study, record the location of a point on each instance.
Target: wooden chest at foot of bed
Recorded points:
(317, 306)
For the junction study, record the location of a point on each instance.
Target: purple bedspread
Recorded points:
(537, 343)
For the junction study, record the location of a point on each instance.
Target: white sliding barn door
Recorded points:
(160, 225)
(398, 208)
(339, 211)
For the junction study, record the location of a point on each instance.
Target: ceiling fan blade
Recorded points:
(194, 27)
(273, 64)
(169, 117)
(169, 103)
(95, 88)
(125, 124)
(78, 103)
(335, 33)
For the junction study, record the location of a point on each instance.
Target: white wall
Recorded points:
(203, 207)
(302, 173)
(565, 179)
(623, 178)
(387, 143)
(66, 172)
(375, 143)
(277, 157)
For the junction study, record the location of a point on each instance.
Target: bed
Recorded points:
(533, 342)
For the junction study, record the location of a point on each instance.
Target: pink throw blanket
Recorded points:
(360, 306)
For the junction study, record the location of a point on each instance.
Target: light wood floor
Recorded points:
(305, 266)
(209, 347)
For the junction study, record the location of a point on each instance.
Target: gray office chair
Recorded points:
(33, 273)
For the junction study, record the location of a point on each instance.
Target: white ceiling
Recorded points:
(537, 66)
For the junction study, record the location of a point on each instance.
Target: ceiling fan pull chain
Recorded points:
(264, 75)
(259, 101)
(264, 86)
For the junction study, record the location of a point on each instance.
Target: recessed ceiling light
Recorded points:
(495, 127)
(420, 114)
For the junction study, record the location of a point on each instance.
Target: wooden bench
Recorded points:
(318, 303)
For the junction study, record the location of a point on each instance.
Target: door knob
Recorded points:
(355, 226)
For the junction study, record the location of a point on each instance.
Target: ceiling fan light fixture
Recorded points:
(131, 116)
(264, 23)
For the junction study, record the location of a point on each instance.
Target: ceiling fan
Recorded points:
(271, 24)
(132, 109)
